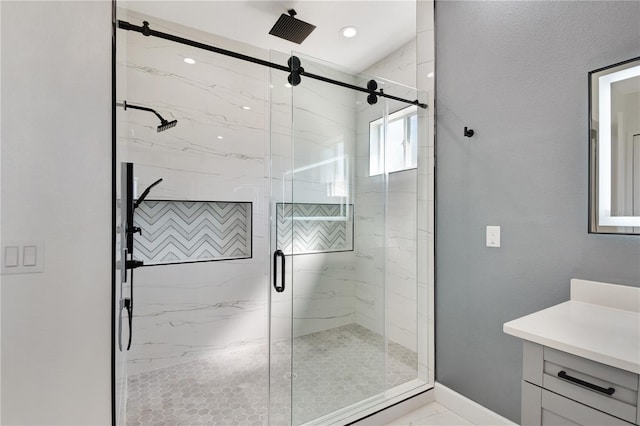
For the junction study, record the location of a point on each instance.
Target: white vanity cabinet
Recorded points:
(581, 359)
(562, 389)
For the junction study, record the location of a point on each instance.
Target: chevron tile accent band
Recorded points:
(192, 231)
(314, 228)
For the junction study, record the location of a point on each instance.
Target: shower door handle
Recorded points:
(279, 253)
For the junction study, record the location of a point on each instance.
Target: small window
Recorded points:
(400, 151)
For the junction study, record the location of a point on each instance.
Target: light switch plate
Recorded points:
(493, 236)
(30, 255)
(22, 257)
(11, 256)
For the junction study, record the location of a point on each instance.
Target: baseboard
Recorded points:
(397, 410)
(468, 409)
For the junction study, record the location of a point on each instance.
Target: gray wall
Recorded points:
(516, 72)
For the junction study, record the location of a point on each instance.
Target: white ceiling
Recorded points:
(383, 26)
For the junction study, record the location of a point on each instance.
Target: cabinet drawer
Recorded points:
(558, 410)
(600, 386)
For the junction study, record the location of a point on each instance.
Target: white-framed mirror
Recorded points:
(614, 93)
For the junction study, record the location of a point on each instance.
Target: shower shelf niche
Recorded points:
(192, 231)
(306, 228)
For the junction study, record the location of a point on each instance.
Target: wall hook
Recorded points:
(468, 132)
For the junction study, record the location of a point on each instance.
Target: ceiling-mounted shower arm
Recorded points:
(293, 68)
(164, 124)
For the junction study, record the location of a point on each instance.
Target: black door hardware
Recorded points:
(293, 66)
(129, 307)
(279, 288)
(563, 375)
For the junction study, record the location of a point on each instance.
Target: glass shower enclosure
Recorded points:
(277, 269)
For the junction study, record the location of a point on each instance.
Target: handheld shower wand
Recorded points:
(145, 193)
(164, 124)
(128, 231)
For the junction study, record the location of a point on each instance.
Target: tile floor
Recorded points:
(332, 369)
(432, 414)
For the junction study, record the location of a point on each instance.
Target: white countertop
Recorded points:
(600, 333)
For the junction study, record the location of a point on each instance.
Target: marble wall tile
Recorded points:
(182, 314)
(318, 171)
(369, 226)
(386, 230)
(218, 150)
(401, 259)
(425, 39)
(407, 263)
(424, 15)
(399, 67)
(321, 294)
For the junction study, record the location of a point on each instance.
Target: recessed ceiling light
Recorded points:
(219, 137)
(349, 32)
(190, 61)
(246, 108)
(288, 86)
(430, 75)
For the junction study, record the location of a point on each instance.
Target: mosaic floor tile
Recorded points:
(332, 369)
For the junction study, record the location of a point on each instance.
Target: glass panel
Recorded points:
(425, 245)
(280, 375)
(338, 352)
(200, 352)
(218, 342)
(401, 237)
(121, 324)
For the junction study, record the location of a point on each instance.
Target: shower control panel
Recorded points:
(24, 257)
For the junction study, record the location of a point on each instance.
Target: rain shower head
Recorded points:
(164, 124)
(292, 29)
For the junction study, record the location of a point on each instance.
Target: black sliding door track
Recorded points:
(293, 68)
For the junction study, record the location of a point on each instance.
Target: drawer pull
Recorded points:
(563, 374)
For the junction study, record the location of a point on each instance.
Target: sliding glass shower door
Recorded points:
(344, 314)
(272, 275)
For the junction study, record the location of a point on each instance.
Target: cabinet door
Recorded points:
(541, 407)
(587, 382)
(554, 405)
(531, 405)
